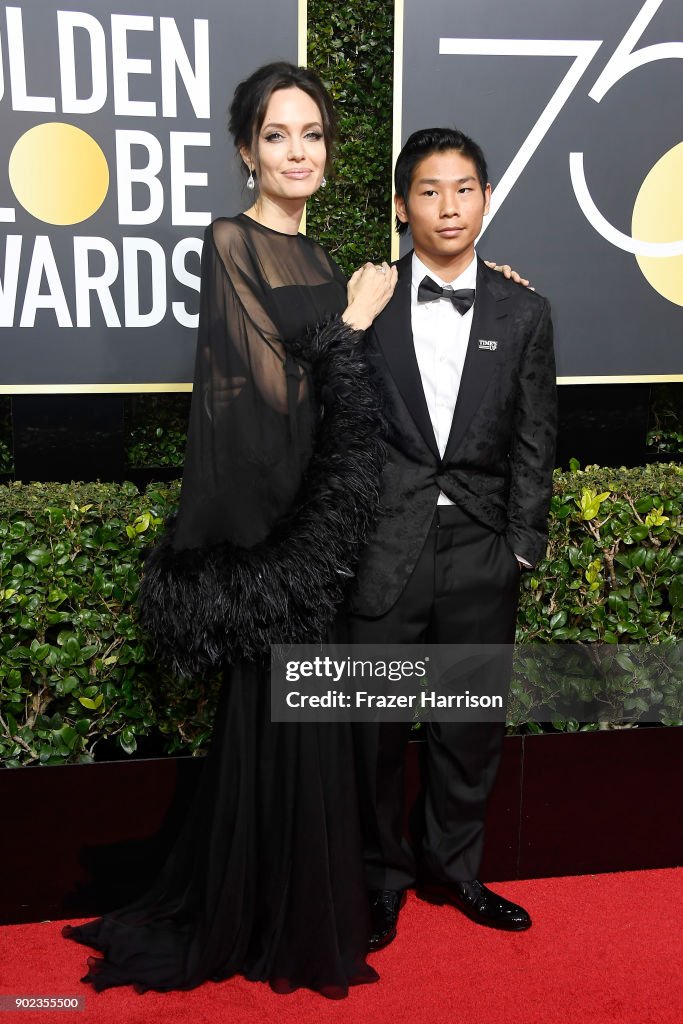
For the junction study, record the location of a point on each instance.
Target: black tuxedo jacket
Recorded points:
(499, 458)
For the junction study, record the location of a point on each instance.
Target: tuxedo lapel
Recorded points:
(394, 333)
(488, 325)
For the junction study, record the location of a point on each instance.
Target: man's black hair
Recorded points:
(433, 140)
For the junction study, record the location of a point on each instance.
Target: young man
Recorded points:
(466, 360)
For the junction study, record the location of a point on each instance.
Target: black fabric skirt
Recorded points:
(266, 879)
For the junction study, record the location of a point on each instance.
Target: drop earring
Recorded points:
(250, 179)
(323, 183)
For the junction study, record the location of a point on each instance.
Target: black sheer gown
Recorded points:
(279, 491)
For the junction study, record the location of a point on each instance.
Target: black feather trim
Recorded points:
(205, 606)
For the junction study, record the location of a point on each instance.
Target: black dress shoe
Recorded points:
(478, 902)
(384, 907)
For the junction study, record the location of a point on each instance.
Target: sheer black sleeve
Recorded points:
(251, 416)
(283, 457)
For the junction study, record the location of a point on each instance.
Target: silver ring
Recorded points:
(382, 269)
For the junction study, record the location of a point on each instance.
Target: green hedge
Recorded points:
(76, 672)
(613, 574)
(74, 669)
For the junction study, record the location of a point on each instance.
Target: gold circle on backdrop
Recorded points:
(658, 217)
(58, 173)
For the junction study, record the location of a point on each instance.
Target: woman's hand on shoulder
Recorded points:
(507, 271)
(369, 289)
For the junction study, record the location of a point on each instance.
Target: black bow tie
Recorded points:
(462, 299)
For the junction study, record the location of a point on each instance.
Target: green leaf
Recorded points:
(68, 736)
(127, 740)
(589, 503)
(72, 647)
(91, 704)
(39, 556)
(563, 634)
(638, 557)
(639, 532)
(39, 652)
(575, 558)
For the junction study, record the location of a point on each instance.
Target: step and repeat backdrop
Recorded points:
(579, 109)
(115, 155)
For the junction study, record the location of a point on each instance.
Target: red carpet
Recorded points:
(603, 948)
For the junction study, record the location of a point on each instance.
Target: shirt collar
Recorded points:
(467, 279)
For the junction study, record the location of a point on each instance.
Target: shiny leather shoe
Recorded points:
(478, 902)
(385, 905)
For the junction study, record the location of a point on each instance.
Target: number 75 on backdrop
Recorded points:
(579, 110)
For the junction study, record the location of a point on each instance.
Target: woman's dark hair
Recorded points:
(250, 102)
(434, 140)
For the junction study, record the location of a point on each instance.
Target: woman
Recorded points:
(279, 490)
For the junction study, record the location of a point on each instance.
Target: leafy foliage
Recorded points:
(153, 445)
(6, 458)
(156, 429)
(614, 566)
(613, 575)
(665, 436)
(76, 672)
(73, 665)
(666, 442)
(351, 47)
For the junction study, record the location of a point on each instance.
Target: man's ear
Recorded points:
(487, 198)
(401, 209)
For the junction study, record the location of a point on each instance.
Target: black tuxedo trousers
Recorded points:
(464, 588)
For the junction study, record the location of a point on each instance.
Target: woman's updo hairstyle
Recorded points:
(250, 102)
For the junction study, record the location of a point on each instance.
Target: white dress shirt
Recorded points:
(440, 336)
